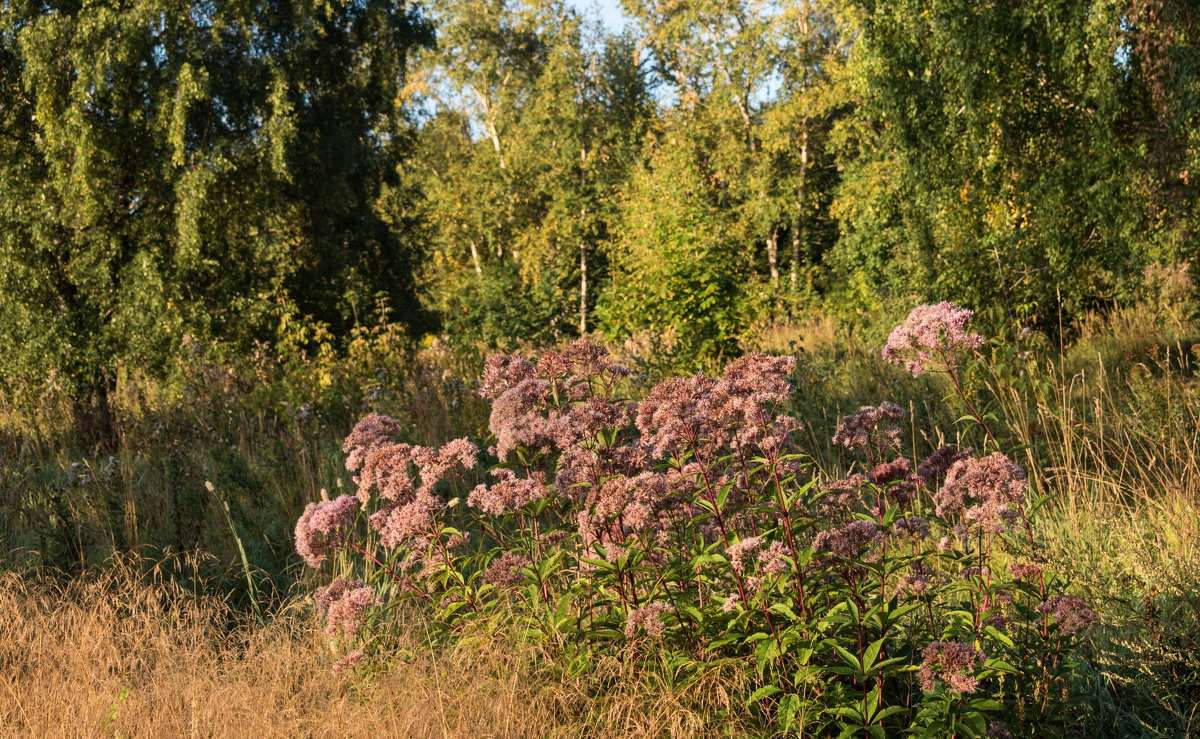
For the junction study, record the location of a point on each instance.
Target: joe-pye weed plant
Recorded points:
(690, 530)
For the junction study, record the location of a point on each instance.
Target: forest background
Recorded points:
(229, 229)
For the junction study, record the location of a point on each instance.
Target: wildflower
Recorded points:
(1022, 570)
(995, 482)
(740, 550)
(774, 559)
(510, 494)
(939, 462)
(516, 418)
(501, 372)
(774, 437)
(373, 430)
(590, 361)
(840, 495)
(749, 390)
(912, 527)
(505, 570)
(345, 614)
(951, 662)
(996, 619)
(584, 421)
(887, 472)
(674, 414)
(648, 617)
(849, 540)
(1069, 612)
(871, 427)
(350, 660)
(385, 467)
(433, 466)
(324, 596)
(401, 523)
(731, 604)
(931, 339)
(553, 365)
(318, 531)
(917, 582)
(997, 730)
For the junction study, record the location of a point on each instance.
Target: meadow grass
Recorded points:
(1108, 426)
(125, 650)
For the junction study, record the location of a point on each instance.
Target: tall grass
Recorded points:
(1108, 425)
(125, 651)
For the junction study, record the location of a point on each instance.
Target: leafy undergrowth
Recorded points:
(1108, 432)
(691, 530)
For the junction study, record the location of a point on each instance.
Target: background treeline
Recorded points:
(177, 177)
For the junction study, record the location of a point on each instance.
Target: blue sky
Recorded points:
(609, 11)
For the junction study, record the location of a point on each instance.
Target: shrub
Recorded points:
(689, 530)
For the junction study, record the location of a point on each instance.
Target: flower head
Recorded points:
(936, 464)
(319, 529)
(913, 527)
(872, 427)
(505, 570)
(849, 540)
(932, 338)
(1069, 612)
(648, 617)
(349, 661)
(345, 613)
(996, 485)
(775, 559)
(951, 662)
(739, 551)
(373, 430)
(1022, 570)
(510, 494)
(503, 371)
(401, 523)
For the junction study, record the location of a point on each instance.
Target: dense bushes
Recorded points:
(692, 527)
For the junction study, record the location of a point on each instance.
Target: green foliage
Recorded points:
(531, 132)
(678, 267)
(723, 547)
(169, 170)
(1011, 154)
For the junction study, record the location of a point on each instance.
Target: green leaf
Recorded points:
(871, 653)
(764, 692)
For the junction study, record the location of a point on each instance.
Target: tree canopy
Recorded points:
(511, 170)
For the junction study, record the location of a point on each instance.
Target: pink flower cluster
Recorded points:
(871, 428)
(388, 468)
(849, 540)
(737, 553)
(528, 403)
(700, 413)
(509, 495)
(1021, 570)
(938, 463)
(932, 339)
(1069, 613)
(649, 618)
(404, 477)
(505, 570)
(320, 528)
(344, 602)
(348, 662)
(994, 483)
(953, 663)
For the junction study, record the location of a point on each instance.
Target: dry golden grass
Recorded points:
(122, 654)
